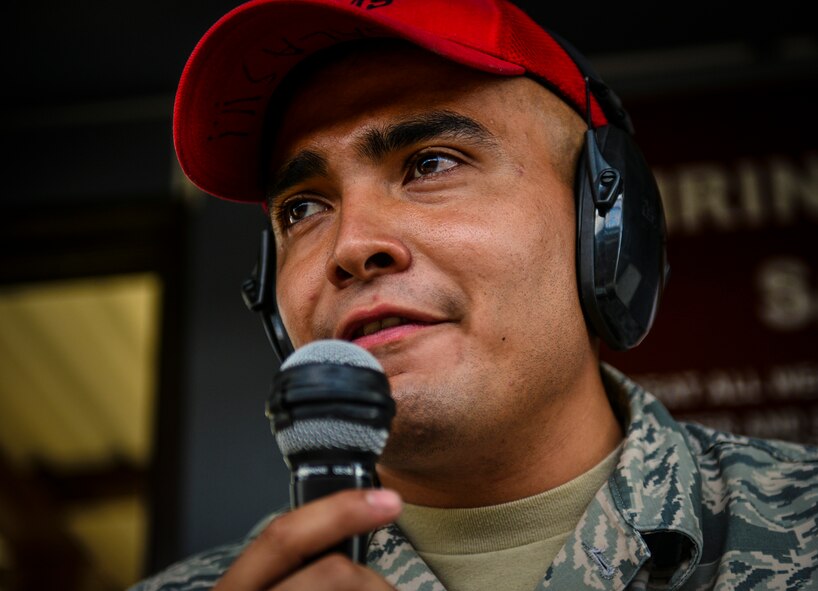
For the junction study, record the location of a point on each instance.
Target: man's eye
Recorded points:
(432, 163)
(298, 210)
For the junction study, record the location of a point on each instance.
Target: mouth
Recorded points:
(384, 323)
(370, 328)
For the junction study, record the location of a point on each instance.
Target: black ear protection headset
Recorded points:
(259, 293)
(622, 266)
(621, 237)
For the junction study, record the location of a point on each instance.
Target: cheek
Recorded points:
(519, 236)
(298, 285)
(520, 266)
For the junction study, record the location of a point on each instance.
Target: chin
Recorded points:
(415, 453)
(420, 428)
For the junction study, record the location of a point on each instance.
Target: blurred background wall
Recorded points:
(132, 378)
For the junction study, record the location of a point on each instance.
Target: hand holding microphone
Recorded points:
(330, 410)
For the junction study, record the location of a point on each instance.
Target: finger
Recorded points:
(335, 573)
(293, 538)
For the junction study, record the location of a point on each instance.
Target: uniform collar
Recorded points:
(656, 487)
(645, 525)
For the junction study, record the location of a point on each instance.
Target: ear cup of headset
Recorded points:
(280, 340)
(621, 245)
(258, 292)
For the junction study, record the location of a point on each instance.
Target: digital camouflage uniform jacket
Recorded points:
(686, 508)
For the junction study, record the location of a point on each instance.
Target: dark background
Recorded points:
(62, 53)
(86, 134)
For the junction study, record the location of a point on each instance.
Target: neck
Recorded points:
(573, 434)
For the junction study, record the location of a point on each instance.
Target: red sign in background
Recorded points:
(735, 344)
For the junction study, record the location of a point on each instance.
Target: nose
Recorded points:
(368, 243)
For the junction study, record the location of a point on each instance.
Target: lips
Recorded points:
(368, 323)
(376, 325)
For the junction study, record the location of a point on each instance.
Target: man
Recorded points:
(429, 179)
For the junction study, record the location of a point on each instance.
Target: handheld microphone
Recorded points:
(330, 411)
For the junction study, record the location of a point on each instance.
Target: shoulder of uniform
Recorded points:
(706, 441)
(202, 570)
(199, 571)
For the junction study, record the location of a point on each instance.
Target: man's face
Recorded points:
(420, 212)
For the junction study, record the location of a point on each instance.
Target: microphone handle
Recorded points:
(315, 479)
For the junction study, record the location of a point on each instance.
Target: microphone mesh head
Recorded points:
(330, 433)
(334, 352)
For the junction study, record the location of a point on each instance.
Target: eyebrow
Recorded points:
(304, 165)
(376, 144)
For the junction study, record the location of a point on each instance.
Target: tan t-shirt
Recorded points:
(504, 547)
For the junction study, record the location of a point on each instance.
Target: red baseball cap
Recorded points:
(229, 79)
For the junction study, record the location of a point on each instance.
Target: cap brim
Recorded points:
(222, 98)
